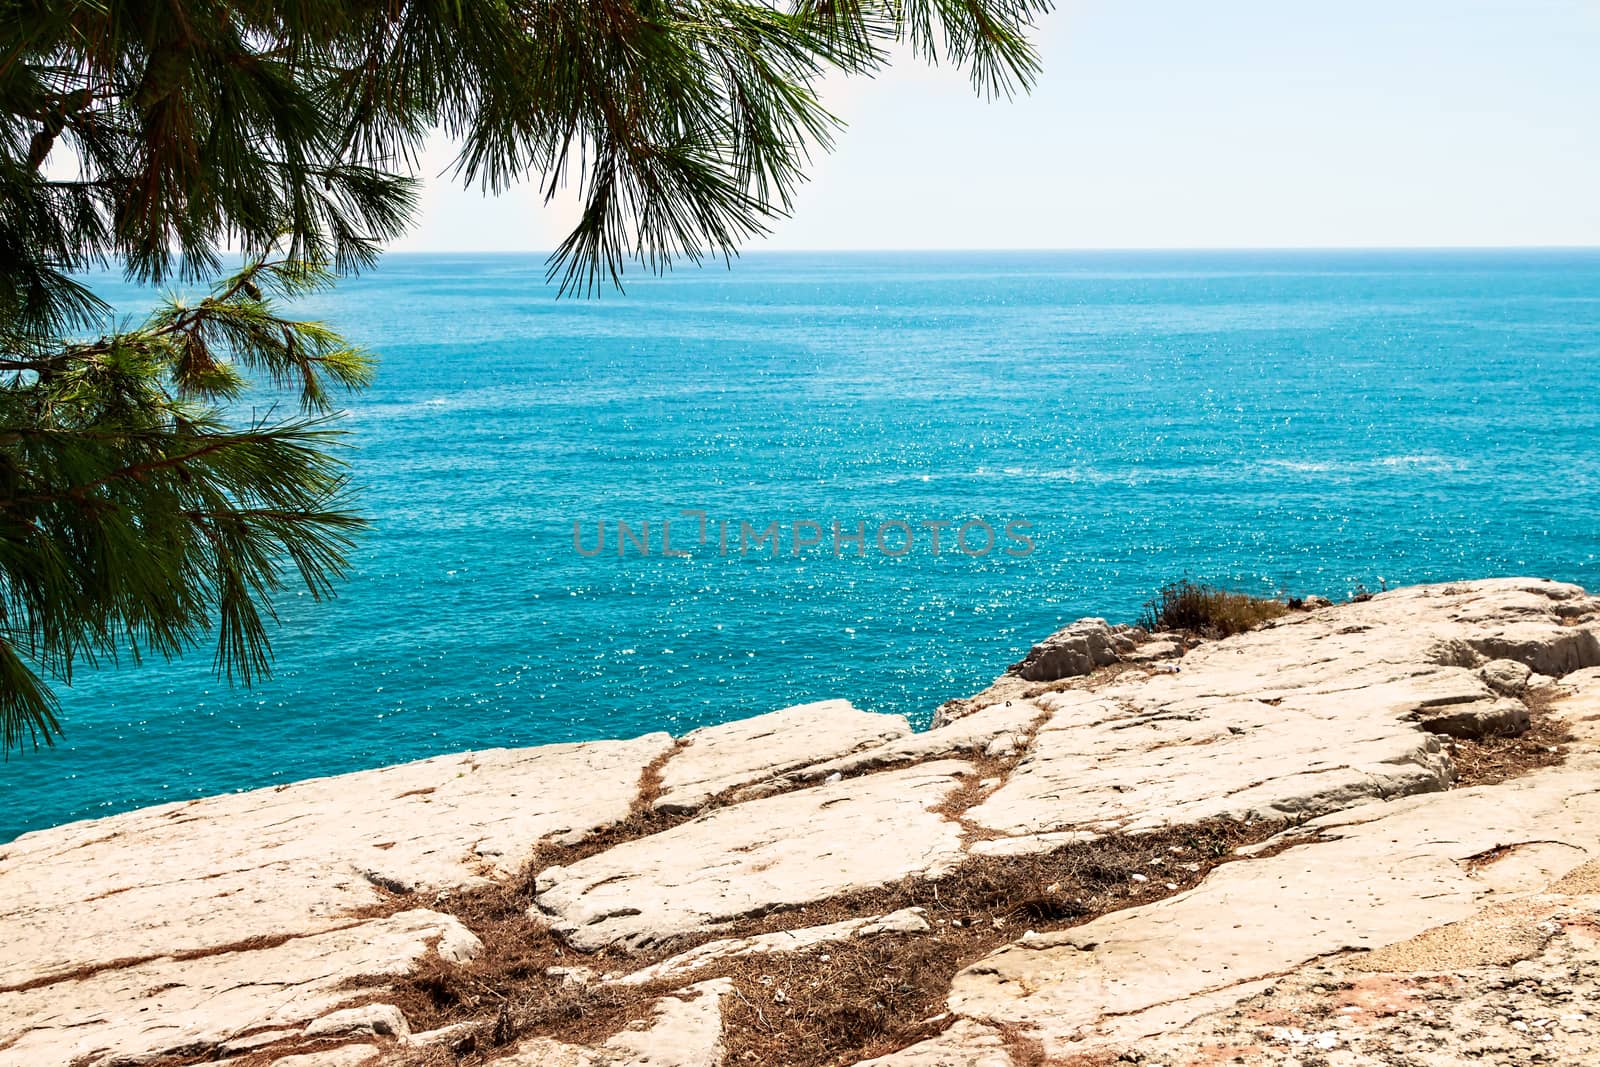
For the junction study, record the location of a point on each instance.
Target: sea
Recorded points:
(716, 493)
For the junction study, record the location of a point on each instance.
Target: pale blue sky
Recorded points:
(1175, 124)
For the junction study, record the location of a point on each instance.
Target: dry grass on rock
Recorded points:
(837, 1004)
(1498, 758)
(1205, 610)
(830, 1005)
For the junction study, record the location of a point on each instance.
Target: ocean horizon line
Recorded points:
(1108, 249)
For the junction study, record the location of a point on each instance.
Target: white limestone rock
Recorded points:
(750, 752)
(1512, 985)
(683, 1030)
(1163, 648)
(1506, 676)
(1575, 700)
(959, 737)
(574, 975)
(754, 857)
(965, 1044)
(343, 1056)
(1004, 746)
(380, 1020)
(1077, 650)
(1030, 844)
(257, 1039)
(1380, 873)
(166, 1004)
(297, 859)
(1321, 711)
(449, 1036)
(1548, 648)
(1097, 767)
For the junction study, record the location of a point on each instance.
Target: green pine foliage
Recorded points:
(140, 512)
(135, 516)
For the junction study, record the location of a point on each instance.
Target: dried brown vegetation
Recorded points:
(1497, 758)
(832, 1004)
(1205, 610)
(866, 997)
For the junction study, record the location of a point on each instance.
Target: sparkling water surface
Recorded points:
(1301, 422)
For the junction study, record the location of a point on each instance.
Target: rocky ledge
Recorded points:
(1363, 833)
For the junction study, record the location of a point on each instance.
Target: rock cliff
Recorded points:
(1363, 833)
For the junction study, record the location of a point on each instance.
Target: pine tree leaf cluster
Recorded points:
(144, 504)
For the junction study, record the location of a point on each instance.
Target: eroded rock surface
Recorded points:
(1005, 723)
(1429, 926)
(166, 1004)
(353, 1055)
(755, 857)
(1077, 650)
(1516, 981)
(965, 1044)
(680, 1031)
(297, 859)
(1542, 1008)
(750, 753)
(1311, 714)
(1377, 874)
(272, 924)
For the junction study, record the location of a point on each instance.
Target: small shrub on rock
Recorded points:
(1191, 607)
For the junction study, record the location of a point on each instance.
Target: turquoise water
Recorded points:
(1302, 422)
